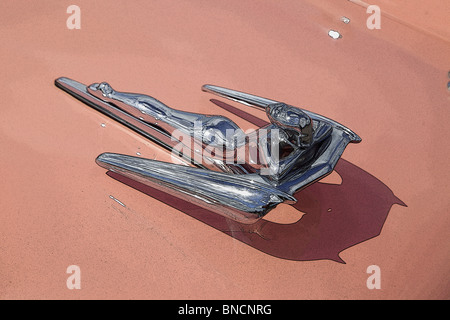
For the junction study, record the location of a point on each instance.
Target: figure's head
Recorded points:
(291, 118)
(103, 87)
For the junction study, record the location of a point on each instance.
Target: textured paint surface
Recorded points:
(58, 208)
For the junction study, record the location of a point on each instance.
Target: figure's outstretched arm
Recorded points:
(144, 103)
(238, 96)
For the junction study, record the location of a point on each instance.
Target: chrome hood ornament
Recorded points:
(239, 175)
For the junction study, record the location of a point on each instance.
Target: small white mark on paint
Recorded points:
(334, 34)
(117, 200)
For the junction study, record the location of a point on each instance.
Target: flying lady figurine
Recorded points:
(296, 149)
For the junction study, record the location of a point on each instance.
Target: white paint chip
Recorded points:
(334, 34)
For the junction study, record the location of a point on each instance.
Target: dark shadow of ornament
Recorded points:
(337, 216)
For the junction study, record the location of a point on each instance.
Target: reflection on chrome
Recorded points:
(239, 175)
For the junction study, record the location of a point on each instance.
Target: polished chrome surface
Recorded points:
(245, 197)
(155, 112)
(256, 101)
(80, 91)
(296, 149)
